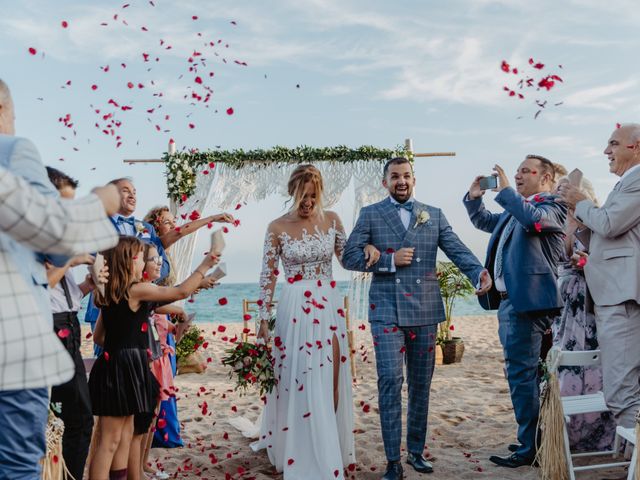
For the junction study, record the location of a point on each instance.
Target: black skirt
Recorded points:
(121, 384)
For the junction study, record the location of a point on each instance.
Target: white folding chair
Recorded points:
(628, 434)
(579, 404)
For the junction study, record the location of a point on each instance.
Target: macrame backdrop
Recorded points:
(225, 187)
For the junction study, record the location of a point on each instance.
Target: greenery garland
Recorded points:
(182, 167)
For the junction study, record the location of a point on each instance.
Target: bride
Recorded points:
(307, 421)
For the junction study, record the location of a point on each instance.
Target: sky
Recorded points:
(321, 73)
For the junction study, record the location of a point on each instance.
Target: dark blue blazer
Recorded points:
(531, 253)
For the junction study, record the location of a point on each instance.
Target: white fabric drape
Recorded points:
(224, 187)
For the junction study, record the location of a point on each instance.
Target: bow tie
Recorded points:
(131, 221)
(408, 206)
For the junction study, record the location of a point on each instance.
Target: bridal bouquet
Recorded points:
(251, 365)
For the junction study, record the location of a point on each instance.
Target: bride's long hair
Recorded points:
(299, 177)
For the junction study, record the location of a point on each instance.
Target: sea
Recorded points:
(208, 304)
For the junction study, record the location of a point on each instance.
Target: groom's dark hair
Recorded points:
(395, 161)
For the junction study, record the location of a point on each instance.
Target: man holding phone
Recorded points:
(524, 249)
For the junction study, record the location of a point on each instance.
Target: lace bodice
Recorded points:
(305, 256)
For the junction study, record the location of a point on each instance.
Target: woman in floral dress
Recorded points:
(575, 330)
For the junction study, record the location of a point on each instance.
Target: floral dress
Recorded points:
(575, 330)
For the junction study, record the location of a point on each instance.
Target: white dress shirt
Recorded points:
(405, 218)
(499, 281)
(59, 300)
(626, 174)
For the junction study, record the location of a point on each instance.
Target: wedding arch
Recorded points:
(223, 179)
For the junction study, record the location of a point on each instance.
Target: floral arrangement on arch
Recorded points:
(453, 285)
(183, 167)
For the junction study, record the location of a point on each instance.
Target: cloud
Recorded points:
(605, 97)
(332, 90)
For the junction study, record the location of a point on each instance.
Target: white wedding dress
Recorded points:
(305, 437)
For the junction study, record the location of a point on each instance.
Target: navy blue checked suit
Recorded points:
(406, 307)
(530, 258)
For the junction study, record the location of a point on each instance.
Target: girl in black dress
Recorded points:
(121, 383)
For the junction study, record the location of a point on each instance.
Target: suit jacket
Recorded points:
(410, 296)
(30, 354)
(613, 267)
(530, 255)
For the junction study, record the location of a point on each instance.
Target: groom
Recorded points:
(406, 305)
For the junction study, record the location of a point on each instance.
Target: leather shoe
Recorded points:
(512, 461)
(419, 463)
(513, 447)
(394, 471)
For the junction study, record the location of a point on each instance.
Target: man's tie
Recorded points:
(506, 232)
(408, 206)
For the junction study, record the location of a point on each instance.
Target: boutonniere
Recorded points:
(422, 217)
(141, 229)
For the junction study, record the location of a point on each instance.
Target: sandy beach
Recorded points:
(470, 416)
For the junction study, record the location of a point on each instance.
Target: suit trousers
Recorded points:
(395, 347)
(23, 420)
(619, 339)
(74, 399)
(521, 338)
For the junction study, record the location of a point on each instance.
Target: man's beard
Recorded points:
(399, 199)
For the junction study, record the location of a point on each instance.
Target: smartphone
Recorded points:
(487, 183)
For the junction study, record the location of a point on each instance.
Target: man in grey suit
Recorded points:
(524, 249)
(31, 358)
(613, 272)
(406, 305)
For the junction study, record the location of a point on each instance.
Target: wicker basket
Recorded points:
(452, 351)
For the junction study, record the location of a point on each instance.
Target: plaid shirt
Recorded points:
(30, 354)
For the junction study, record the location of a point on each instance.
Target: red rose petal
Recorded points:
(144, 327)
(307, 293)
(32, 51)
(65, 24)
(223, 301)
(64, 333)
(162, 423)
(290, 461)
(229, 111)
(222, 328)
